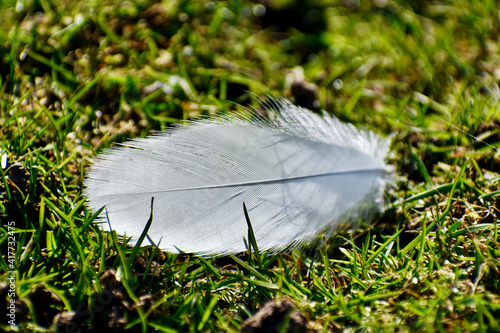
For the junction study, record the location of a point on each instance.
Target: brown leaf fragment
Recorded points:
(273, 315)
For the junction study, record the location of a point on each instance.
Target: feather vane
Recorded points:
(299, 174)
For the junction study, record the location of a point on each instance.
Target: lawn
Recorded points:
(79, 77)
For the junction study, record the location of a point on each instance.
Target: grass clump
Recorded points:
(77, 77)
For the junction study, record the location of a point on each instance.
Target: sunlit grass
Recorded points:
(79, 77)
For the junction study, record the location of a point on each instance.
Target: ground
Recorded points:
(78, 77)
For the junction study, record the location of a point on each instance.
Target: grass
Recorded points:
(77, 77)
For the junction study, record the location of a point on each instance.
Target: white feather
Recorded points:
(299, 174)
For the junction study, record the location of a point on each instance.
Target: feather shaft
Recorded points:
(258, 182)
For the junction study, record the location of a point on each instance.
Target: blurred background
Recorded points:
(141, 65)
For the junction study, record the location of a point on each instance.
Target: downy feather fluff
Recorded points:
(299, 174)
